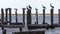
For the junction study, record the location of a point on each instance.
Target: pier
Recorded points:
(30, 26)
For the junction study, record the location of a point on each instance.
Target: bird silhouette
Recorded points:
(30, 7)
(51, 6)
(44, 7)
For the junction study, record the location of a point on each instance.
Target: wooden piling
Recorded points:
(9, 14)
(43, 16)
(4, 31)
(20, 29)
(36, 15)
(59, 15)
(52, 17)
(6, 14)
(23, 15)
(2, 17)
(16, 16)
(29, 15)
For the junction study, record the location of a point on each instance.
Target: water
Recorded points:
(40, 20)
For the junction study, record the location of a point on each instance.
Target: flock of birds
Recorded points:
(42, 6)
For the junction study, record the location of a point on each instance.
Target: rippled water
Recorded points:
(40, 19)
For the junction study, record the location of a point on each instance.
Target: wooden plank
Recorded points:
(35, 26)
(30, 32)
(13, 26)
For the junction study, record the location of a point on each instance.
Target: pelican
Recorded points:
(44, 7)
(51, 6)
(30, 7)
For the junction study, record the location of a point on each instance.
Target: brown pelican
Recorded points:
(30, 7)
(51, 6)
(44, 7)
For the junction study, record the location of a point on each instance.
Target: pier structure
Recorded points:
(29, 24)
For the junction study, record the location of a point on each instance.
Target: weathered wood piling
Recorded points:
(2, 17)
(44, 14)
(6, 14)
(4, 31)
(36, 16)
(52, 17)
(9, 14)
(23, 15)
(8, 9)
(29, 15)
(59, 15)
(16, 15)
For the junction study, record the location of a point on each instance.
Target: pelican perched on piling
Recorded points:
(51, 6)
(44, 7)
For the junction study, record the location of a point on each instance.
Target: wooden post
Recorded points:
(43, 16)
(52, 17)
(20, 29)
(4, 31)
(36, 15)
(59, 15)
(29, 15)
(23, 15)
(2, 18)
(6, 14)
(16, 16)
(9, 14)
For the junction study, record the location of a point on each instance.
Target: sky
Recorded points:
(19, 4)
